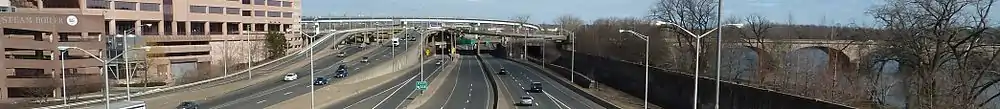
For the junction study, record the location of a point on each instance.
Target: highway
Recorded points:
(396, 94)
(470, 88)
(269, 93)
(518, 81)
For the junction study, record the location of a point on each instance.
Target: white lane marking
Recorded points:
(558, 102)
(286, 93)
(522, 87)
(466, 101)
(261, 101)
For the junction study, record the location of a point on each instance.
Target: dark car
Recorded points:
(321, 81)
(502, 71)
(188, 105)
(341, 72)
(536, 87)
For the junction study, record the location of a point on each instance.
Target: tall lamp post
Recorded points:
(312, 69)
(645, 92)
(104, 70)
(128, 74)
(697, 58)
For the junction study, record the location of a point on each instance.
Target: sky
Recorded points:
(822, 12)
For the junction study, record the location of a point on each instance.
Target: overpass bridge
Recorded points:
(418, 19)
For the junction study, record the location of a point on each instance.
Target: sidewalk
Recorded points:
(171, 100)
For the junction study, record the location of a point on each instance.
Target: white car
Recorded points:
(526, 100)
(341, 54)
(291, 77)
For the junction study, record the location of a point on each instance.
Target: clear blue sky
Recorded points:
(545, 11)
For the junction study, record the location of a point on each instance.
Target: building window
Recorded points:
(259, 13)
(120, 5)
(259, 2)
(149, 7)
(216, 10)
(98, 4)
(233, 11)
(197, 9)
(286, 14)
(273, 3)
(246, 13)
(286, 4)
(60, 3)
(273, 14)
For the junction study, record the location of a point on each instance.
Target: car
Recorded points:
(438, 62)
(526, 101)
(188, 105)
(536, 86)
(364, 59)
(341, 71)
(502, 71)
(291, 77)
(341, 54)
(321, 81)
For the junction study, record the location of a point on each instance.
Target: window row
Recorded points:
(238, 11)
(123, 5)
(267, 2)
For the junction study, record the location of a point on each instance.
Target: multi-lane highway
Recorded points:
(470, 89)
(518, 81)
(396, 95)
(274, 91)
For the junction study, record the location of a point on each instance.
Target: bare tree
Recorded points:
(569, 22)
(699, 16)
(940, 41)
(758, 26)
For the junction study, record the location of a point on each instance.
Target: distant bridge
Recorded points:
(418, 19)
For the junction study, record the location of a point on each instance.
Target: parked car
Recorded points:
(321, 81)
(526, 101)
(188, 105)
(291, 77)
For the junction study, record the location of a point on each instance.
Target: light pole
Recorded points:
(104, 70)
(312, 69)
(128, 74)
(697, 58)
(249, 51)
(645, 92)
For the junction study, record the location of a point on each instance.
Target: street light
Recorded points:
(696, 57)
(645, 92)
(104, 70)
(312, 69)
(128, 75)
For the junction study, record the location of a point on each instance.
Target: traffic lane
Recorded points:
(293, 91)
(444, 93)
(517, 78)
(250, 90)
(515, 88)
(389, 95)
(397, 100)
(552, 90)
(260, 96)
(472, 90)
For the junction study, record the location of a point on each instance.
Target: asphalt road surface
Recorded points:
(518, 81)
(469, 90)
(394, 95)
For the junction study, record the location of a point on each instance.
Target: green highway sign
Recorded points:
(421, 85)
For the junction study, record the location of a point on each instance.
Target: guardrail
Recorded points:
(300, 52)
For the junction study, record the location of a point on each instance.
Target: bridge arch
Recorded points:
(748, 63)
(818, 64)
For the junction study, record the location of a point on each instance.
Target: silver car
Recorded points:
(527, 101)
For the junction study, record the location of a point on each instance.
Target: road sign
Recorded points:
(421, 85)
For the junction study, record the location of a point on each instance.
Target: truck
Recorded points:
(395, 42)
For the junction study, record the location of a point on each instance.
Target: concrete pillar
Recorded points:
(3, 85)
(207, 27)
(137, 28)
(112, 25)
(225, 28)
(187, 28)
(159, 27)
